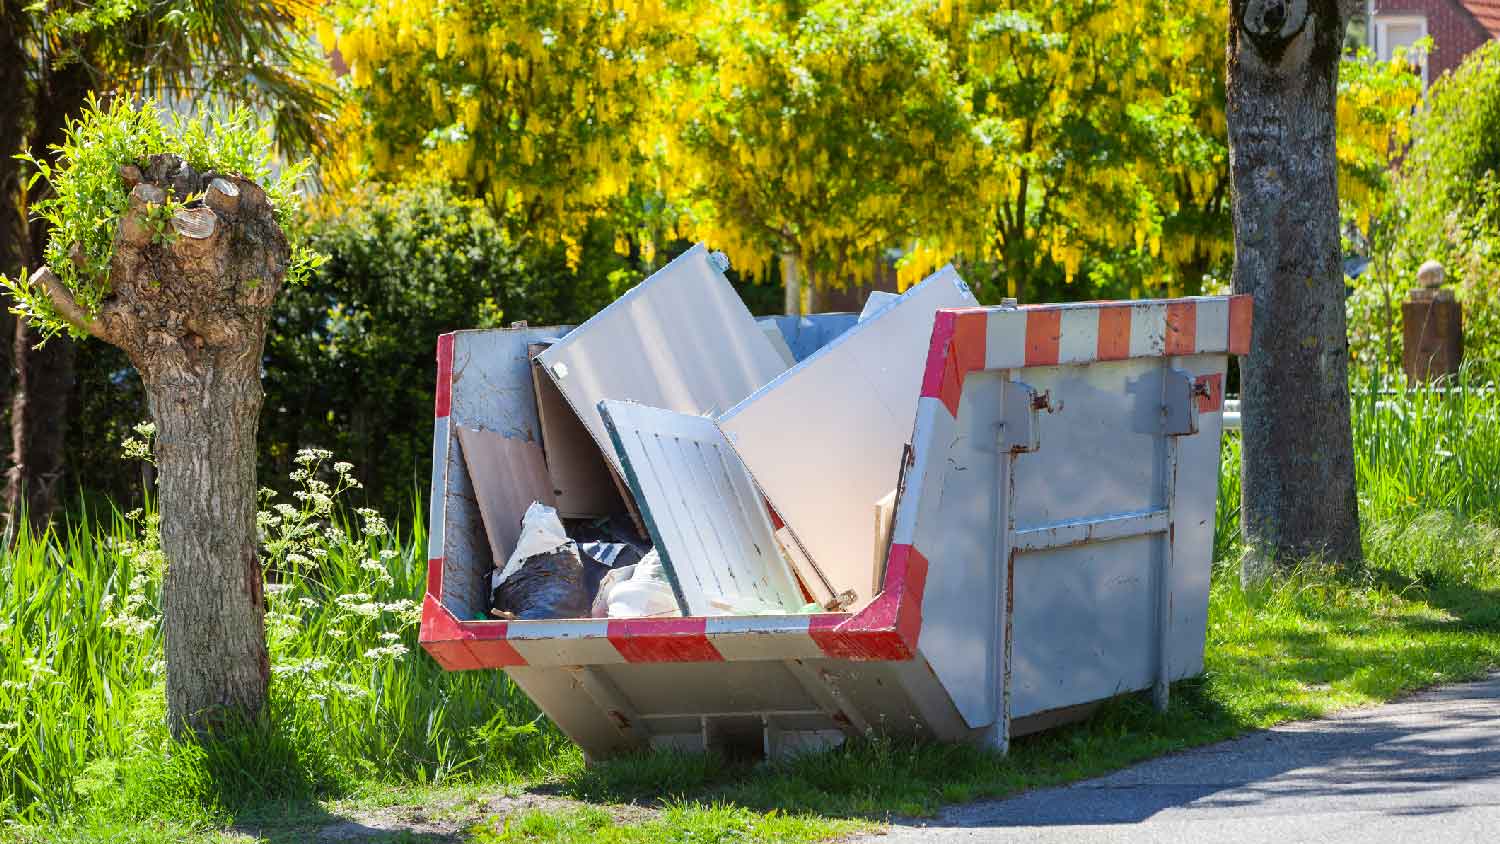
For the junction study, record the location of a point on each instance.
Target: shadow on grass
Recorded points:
(1297, 655)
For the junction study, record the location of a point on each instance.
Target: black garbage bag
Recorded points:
(550, 585)
(600, 557)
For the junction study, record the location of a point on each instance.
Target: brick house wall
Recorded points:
(1453, 25)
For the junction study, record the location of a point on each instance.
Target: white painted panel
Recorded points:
(824, 439)
(680, 340)
(1079, 328)
(707, 519)
(1212, 324)
(1005, 339)
(1148, 328)
(1084, 623)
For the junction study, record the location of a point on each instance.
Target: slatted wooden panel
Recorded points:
(703, 512)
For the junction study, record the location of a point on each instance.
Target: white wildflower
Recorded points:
(309, 456)
(392, 650)
(375, 525)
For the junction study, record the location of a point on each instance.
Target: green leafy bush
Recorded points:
(1450, 197)
(350, 357)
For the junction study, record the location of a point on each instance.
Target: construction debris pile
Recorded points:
(693, 461)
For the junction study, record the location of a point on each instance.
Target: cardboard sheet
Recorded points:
(508, 475)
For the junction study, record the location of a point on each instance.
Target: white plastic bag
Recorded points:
(642, 592)
(541, 532)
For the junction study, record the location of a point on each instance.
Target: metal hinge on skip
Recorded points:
(1020, 430)
(1180, 394)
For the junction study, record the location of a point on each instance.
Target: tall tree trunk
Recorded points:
(792, 283)
(1298, 471)
(44, 377)
(12, 139)
(192, 315)
(212, 603)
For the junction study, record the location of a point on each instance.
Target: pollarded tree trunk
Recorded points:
(191, 298)
(1298, 472)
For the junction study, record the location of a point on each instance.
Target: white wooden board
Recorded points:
(680, 340)
(704, 514)
(824, 439)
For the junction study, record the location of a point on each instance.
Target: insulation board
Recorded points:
(680, 340)
(824, 440)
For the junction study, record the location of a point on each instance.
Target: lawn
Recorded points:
(368, 731)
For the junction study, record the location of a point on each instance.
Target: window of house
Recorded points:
(1398, 32)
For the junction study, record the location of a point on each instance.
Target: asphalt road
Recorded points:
(1426, 769)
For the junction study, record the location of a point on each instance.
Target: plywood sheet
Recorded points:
(581, 479)
(707, 519)
(508, 475)
(824, 440)
(680, 340)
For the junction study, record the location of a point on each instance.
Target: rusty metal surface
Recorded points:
(1432, 336)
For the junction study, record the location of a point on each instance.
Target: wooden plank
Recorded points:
(825, 439)
(704, 514)
(581, 478)
(508, 475)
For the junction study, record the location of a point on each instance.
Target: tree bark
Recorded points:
(213, 607)
(1298, 488)
(192, 314)
(43, 377)
(791, 282)
(12, 139)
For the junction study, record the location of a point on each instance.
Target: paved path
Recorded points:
(1426, 769)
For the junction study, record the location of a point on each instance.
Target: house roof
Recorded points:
(1487, 12)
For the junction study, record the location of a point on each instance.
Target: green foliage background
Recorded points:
(1447, 207)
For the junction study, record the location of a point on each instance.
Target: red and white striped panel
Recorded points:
(886, 629)
(969, 339)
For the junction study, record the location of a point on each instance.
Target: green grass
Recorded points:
(687, 822)
(361, 728)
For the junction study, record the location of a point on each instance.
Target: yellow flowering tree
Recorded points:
(820, 136)
(1107, 146)
(544, 108)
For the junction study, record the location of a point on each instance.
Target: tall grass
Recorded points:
(354, 701)
(1426, 463)
(1423, 449)
(82, 721)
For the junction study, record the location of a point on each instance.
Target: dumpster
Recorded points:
(1053, 526)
